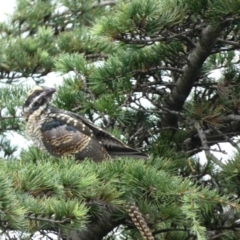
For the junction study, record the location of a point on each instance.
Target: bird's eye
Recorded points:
(36, 104)
(37, 92)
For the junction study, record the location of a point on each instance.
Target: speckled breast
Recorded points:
(33, 129)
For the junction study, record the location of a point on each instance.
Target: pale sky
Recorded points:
(6, 7)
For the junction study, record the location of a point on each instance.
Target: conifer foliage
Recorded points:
(144, 71)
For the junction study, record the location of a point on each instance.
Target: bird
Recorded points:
(63, 133)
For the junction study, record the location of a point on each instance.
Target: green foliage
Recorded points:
(140, 69)
(73, 62)
(205, 112)
(32, 11)
(191, 209)
(62, 200)
(118, 71)
(24, 55)
(140, 16)
(12, 212)
(219, 9)
(58, 213)
(167, 145)
(230, 175)
(10, 115)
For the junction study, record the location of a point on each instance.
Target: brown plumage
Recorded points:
(62, 133)
(139, 221)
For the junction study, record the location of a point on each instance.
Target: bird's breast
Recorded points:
(33, 129)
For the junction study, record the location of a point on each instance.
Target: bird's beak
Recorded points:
(50, 91)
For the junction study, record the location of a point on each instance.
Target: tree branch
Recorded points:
(203, 139)
(103, 4)
(97, 228)
(184, 85)
(149, 41)
(236, 44)
(67, 220)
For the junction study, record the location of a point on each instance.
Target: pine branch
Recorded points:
(231, 19)
(236, 44)
(232, 117)
(153, 69)
(164, 110)
(149, 70)
(228, 139)
(97, 228)
(229, 49)
(203, 138)
(189, 77)
(152, 40)
(67, 220)
(171, 230)
(199, 149)
(103, 4)
(96, 56)
(13, 117)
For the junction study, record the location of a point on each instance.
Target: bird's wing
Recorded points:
(63, 135)
(114, 146)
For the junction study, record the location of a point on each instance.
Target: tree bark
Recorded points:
(96, 229)
(184, 84)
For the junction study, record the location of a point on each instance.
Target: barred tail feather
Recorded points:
(139, 221)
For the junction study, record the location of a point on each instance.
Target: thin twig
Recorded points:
(236, 44)
(228, 139)
(151, 40)
(67, 220)
(103, 4)
(171, 229)
(203, 139)
(198, 149)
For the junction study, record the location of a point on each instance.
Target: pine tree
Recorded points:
(142, 70)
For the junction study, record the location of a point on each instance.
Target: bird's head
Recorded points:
(38, 97)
